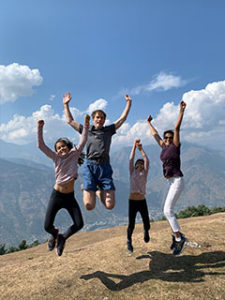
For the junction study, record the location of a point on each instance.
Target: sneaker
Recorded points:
(60, 244)
(129, 246)
(173, 243)
(51, 241)
(179, 246)
(146, 236)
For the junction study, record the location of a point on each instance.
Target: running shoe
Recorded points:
(129, 246)
(173, 243)
(179, 246)
(52, 241)
(60, 244)
(146, 236)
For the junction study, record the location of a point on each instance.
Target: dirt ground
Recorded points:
(97, 265)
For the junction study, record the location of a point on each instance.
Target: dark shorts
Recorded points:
(98, 175)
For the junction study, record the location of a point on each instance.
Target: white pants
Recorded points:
(176, 186)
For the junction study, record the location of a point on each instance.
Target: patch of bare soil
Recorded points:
(97, 265)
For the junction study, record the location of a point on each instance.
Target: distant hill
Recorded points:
(28, 152)
(204, 174)
(96, 265)
(25, 192)
(26, 186)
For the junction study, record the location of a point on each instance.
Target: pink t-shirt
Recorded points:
(65, 166)
(138, 179)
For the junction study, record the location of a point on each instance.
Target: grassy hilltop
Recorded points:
(96, 265)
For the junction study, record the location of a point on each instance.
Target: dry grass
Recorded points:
(96, 265)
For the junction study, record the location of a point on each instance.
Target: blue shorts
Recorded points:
(97, 174)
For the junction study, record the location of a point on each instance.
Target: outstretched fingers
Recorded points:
(66, 98)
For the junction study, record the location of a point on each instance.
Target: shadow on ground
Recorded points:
(185, 268)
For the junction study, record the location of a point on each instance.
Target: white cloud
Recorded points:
(76, 113)
(17, 80)
(98, 104)
(19, 133)
(21, 130)
(203, 123)
(139, 130)
(124, 129)
(161, 81)
(206, 107)
(164, 82)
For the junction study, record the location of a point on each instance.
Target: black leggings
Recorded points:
(57, 201)
(134, 207)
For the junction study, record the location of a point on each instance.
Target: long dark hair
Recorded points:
(69, 144)
(66, 141)
(81, 158)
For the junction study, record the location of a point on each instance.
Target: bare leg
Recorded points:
(98, 194)
(108, 198)
(89, 199)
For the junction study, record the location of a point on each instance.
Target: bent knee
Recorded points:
(89, 200)
(168, 213)
(89, 206)
(47, 227)
(110, 204)
(110, 200)
(80, 224)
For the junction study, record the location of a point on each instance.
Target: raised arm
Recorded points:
(132, 154)
(154, 132)
(69, 118)
(145, 157)
(40, 141)
(176, 137)
(83, 138)
(124, 114)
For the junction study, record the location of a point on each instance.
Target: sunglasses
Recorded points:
(168, 137)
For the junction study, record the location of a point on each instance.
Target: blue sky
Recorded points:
(157, 51)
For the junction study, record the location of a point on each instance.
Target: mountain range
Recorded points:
(27, 179)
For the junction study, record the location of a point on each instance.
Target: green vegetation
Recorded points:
(201, 210)
(2, 249)
(22, 246)
(193, 211)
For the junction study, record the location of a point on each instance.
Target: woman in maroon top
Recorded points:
(170, 156)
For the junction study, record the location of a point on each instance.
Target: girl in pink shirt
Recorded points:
(65, 158)
(137, 201)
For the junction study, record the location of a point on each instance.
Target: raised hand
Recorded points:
(136, 142)
(66, 98)
(139, 146)
(40, 123)
(182, 105)
(128, 98)
(86, 120)
(149, 119)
